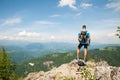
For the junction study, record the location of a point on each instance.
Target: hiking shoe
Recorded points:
(77, 59)
(84, 61)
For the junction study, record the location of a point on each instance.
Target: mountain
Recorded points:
(71, 71)
(21, 51)
(46, 62)
(24, 51)
(47, 48)
(13, 43)
(18, 54)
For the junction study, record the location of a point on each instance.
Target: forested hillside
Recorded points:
(44, 63)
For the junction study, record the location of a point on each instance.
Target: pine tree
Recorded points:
(118, 32)
(6, 67)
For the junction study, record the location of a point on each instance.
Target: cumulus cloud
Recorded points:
(114, 5)
(6, 37)
(28, 34)
(70, 3)
(12, 21)
(46, 22)
(23, 35)
(86, 5)
(3, 37)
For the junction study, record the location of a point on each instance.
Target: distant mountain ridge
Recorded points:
(22, 51)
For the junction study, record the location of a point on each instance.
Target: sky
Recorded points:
(59, 20)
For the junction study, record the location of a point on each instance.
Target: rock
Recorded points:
(71, 71)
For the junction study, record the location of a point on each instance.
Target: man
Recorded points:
(84, 40)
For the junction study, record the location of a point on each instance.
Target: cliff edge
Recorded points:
(72, 71)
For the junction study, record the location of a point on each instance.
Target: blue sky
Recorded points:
(59, 20)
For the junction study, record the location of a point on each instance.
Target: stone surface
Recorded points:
(71, 71)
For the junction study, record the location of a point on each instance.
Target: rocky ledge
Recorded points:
(71, 71)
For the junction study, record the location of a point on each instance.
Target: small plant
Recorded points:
(72, 78)
(67, 78)
(118, 32)
(20, 78)
(63, 78)
(87, 75)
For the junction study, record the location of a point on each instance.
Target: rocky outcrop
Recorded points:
(71, 71)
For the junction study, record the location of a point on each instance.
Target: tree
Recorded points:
(118, 32)
(6, 66)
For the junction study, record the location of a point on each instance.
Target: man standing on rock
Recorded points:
(84, 40)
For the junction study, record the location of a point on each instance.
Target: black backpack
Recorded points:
(81, 63)
(83, 36)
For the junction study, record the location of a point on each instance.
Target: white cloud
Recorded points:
(23, 35)
(28, 34)
(3, 37)
(52, 37)
(46, 22)
(70, 3)
(12, 21)
(55, 15)
(114, 5)
(78, 14)
(6, 37)
(86, 5)
(39, 37)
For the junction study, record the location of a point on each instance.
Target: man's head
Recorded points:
(84, 27)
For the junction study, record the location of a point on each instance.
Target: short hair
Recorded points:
(84, 26)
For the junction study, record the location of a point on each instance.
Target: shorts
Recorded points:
(85, 45)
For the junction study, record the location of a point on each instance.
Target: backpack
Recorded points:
(83, 36)
(81, 63)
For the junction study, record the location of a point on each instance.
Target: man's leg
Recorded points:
(85, 53)
(78, 53)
